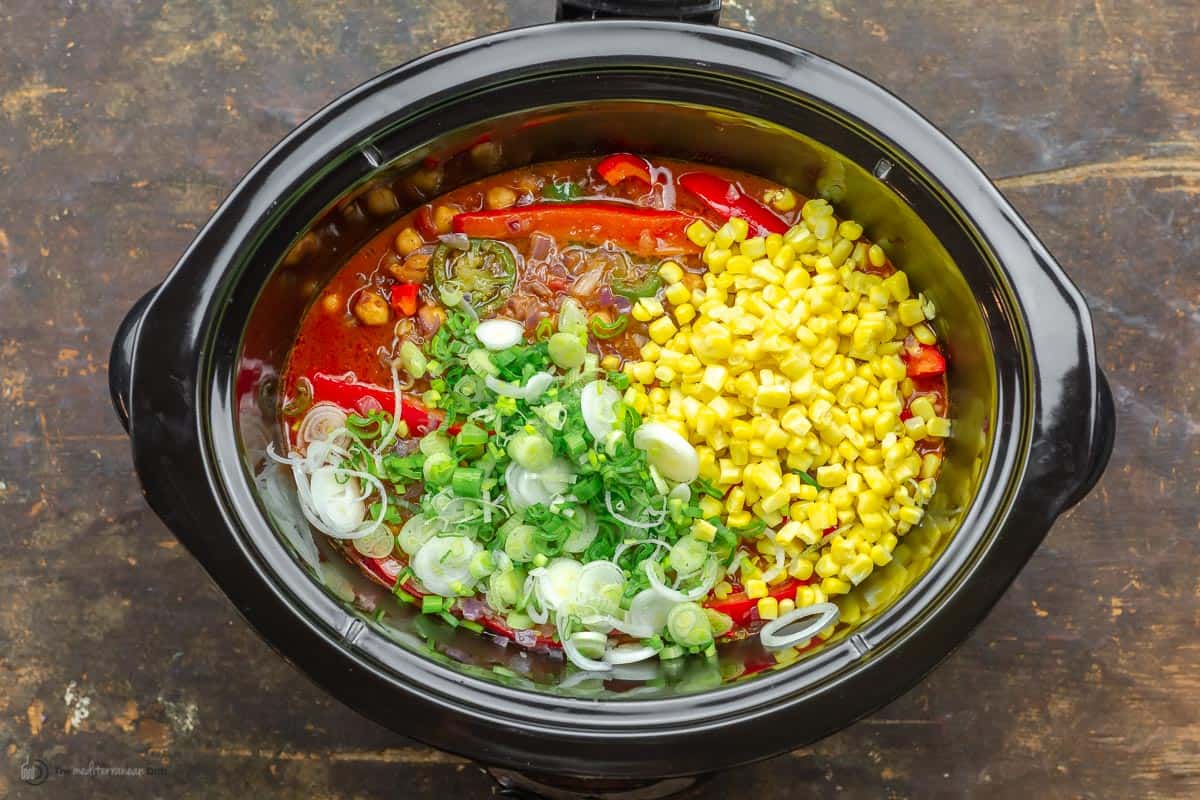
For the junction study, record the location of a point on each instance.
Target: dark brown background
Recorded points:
(123, 124)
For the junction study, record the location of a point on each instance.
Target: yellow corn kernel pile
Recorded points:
(788, 361)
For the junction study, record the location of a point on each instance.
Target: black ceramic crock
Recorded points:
(193, 366)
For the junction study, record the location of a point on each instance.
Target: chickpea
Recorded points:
(443, 216)
(332, 303)
(414, 269)
(431, 316)
(371, 309)
(407, 241)
(500, 197)
(427, 181)
(381, 202)
(487, 155)
(307, 244)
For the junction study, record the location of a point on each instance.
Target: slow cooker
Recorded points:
(195, 364)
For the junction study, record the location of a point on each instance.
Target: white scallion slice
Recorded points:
(337, 499)
(629, 654)
(708, 579)
(599, 587)
(499, 334)
(671, 454)
(443, 565)
(598, 402)
(648, 612)
(581, 539)
(815, 618)
(558, 582)
(379, 543)
(416, 532)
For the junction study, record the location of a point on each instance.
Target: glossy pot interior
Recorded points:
(679, 130)
(196, 366)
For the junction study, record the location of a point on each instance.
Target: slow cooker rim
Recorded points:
(354, 95)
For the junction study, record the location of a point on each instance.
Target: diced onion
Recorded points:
(499, 334)
(457, 241)
(571, 648)
(669, 452)
(823, 614)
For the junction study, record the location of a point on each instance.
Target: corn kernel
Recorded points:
(678, 294)
(671, 272)
(647, 308)
(850, 230)
(703, 530)
(700, 233)
(756, 588)
(684, 313)
(662, 329)
(831, 586)
(876, 256)
(768, 608)
(938, 427)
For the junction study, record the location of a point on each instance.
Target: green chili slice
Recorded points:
(568, 190)
(485, 273)
(647, 287)
(603, 329)
(302, 399)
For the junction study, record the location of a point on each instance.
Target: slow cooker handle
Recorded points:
(120, 361)
(697, 11)
(1103, 437)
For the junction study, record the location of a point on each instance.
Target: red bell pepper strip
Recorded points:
(620, 166)
(404, 298)
(728, 200)
(593, 222)
(740, 607)
(355, 395)
(924, 361)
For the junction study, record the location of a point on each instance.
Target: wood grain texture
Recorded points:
(122, 125)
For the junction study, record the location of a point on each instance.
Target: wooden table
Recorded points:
(123, 125)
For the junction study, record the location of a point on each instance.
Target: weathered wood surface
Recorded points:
(123, 124)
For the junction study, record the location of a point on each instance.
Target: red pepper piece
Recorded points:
(355, 395)
(592, 222)
(925, 361)
(620, 166)
(404, 298)
(728, 200)
(740, 607)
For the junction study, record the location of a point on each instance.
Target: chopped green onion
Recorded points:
(413, 360)
(532, 451)
(438, 469)
(572, 318)
(467, 481)
(809, 479)
(519, 544)
(567, 350)
(671, 652)
(480, 362)
(688, 625)
(432, 604)
(544, 328)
